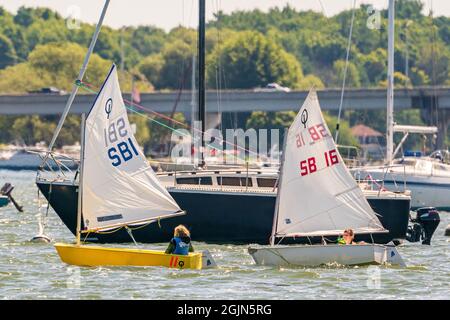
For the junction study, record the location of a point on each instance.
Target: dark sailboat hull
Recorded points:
(219, 217)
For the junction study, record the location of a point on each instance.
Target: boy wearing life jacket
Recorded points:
(347, 237)
(181, 242)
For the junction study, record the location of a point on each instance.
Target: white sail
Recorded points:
(318, 195)
(118, 187)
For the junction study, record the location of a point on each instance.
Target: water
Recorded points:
(34, 271)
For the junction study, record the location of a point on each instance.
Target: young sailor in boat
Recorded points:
(181, 242)
(348, 238)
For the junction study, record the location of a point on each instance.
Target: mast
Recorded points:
(193, 104)
(80, 77)
(390, 89)
(201, 76)
(80, 179)
(279, 180)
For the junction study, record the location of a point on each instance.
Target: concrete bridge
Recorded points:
(433, 101)
(238, 101)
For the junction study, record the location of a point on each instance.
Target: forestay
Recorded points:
(118, 187)
(318, 195)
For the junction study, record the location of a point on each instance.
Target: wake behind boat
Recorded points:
(317, 196)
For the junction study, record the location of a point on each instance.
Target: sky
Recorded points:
(167, 14)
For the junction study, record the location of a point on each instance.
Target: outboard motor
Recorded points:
(6, 191)
(423, 226)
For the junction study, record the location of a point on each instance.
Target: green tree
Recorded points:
(283, 120)
(251, 60)
(408, 9)
(43, 32)
(434, 60)
(270, 120)
(311, 81)
(346, 137)
(375, 64)
(148, 40)
(61, 63)
(7, 52)
(151, 67)
(21, 78)
(353, 79)
(32, 129)
(24, 16)
(175, 72)
(70, 132)
(142, 128)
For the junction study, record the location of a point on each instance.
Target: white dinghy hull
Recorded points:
(315, 255)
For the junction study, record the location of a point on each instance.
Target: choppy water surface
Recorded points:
(34, 271)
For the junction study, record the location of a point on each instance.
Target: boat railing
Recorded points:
(57, 167)
(369, 183)
(380, 183)
(350, 155)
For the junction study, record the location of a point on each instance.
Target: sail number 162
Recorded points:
(309, 165)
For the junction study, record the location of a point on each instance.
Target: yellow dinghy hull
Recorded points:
(93, 256)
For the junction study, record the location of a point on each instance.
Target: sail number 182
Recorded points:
(309, 165)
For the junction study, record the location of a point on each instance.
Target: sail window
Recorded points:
(110, 218)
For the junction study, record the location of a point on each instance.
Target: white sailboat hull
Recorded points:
(427, 190)
(315, 255)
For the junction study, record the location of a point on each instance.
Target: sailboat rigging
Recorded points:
(426, 177)
(201, 77)
(317, 196)
(231, 200)
(118, 187)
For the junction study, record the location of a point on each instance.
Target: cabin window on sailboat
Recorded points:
(205, 181)
(194, 181)
(229, 181)
(246, 182)
(235, 181)
(266, 183)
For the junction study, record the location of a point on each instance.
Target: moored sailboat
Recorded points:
(118, 188)
(425, 177)
(317, 196)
